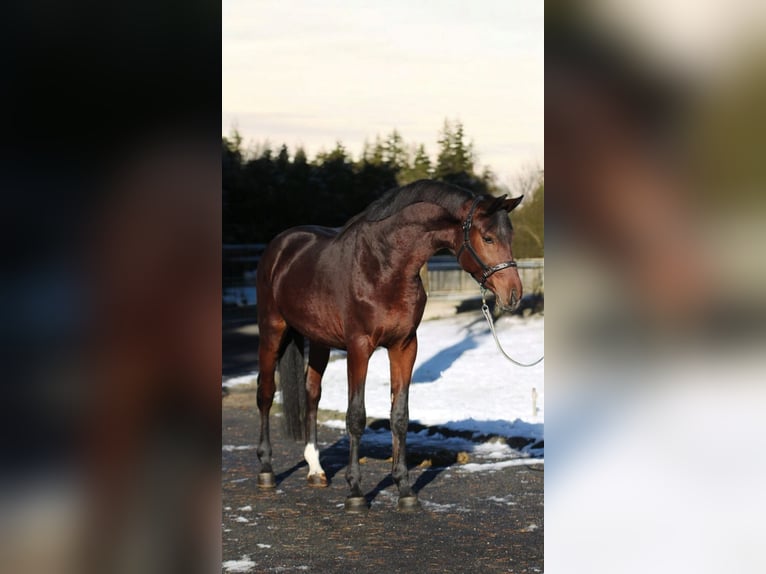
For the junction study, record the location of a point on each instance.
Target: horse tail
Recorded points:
(292, 381)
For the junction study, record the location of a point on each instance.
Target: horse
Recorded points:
(358, 288)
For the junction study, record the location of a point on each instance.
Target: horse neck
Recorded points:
(419, 232)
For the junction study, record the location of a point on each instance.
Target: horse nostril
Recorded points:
(514, 297)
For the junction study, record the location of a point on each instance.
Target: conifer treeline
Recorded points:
(266, 191)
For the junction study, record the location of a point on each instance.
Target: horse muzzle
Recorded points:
(506, 285)
(510, 303)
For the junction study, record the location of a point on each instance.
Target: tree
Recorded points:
(420, 168)
(267, 189)
(373, 153)
(394, 152)
(335, 187)
(455, 154)
(529, 218)
(455, 161)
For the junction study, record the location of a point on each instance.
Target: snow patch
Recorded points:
(502, 500)
(459, 377)
(250, 378)
(335, 424)
(480, 467)
(436, 507)
(242, 565)
(231, 447)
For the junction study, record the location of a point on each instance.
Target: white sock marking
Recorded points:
(311, 454)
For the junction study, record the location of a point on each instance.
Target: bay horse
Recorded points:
(358, 288)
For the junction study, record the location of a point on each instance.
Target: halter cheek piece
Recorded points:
(487, 271)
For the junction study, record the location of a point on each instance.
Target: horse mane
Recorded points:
(446, 195)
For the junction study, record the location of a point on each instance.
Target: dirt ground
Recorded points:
(489, 521)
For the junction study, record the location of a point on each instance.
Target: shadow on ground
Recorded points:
(431, 459)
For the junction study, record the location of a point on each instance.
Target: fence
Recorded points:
(445, 276)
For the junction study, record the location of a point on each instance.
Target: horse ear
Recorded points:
(497, 204)
(512, 203)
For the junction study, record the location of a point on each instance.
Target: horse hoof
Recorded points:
(266, 480)
(356, 504)
(408, 503)
(317, 480)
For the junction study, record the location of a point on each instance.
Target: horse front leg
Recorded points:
(356, 419)
(318, 357)
(402, 359)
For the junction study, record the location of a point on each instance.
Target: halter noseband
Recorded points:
(487, 271)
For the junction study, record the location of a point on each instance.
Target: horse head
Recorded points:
(485, 248)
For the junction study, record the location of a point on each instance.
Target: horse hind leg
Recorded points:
(318, 357)
(271, 335)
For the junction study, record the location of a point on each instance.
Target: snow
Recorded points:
(248, 379)
(460, 383)
(459, 376)
(479, 467)
(243, 565)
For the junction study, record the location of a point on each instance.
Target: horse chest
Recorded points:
(393, 324)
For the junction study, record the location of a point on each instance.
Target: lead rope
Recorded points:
(491, 323)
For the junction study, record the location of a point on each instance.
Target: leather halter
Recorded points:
(487, 271)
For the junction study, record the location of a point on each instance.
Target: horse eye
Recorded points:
(487, 240)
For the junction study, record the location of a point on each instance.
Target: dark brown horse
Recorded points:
(358, 288)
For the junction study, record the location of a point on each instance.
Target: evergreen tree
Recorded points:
(419, 168)
(374, 153)
(232, 184)
(300, 157)
(335, 191)
(455, 154)
(283, 157)
(265, 192)
(394, 151)
(455, 161)
(529, 218)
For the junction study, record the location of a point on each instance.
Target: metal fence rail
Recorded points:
(444, 275)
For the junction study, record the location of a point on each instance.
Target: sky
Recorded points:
(314, 73)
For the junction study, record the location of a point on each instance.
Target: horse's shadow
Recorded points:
(433, 459)
(334, 459)
(432, 368)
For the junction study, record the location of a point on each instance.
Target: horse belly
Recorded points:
(314, 315)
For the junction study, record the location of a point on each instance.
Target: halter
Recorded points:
(487, 271)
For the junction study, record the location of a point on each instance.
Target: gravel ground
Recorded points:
(488, 521)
